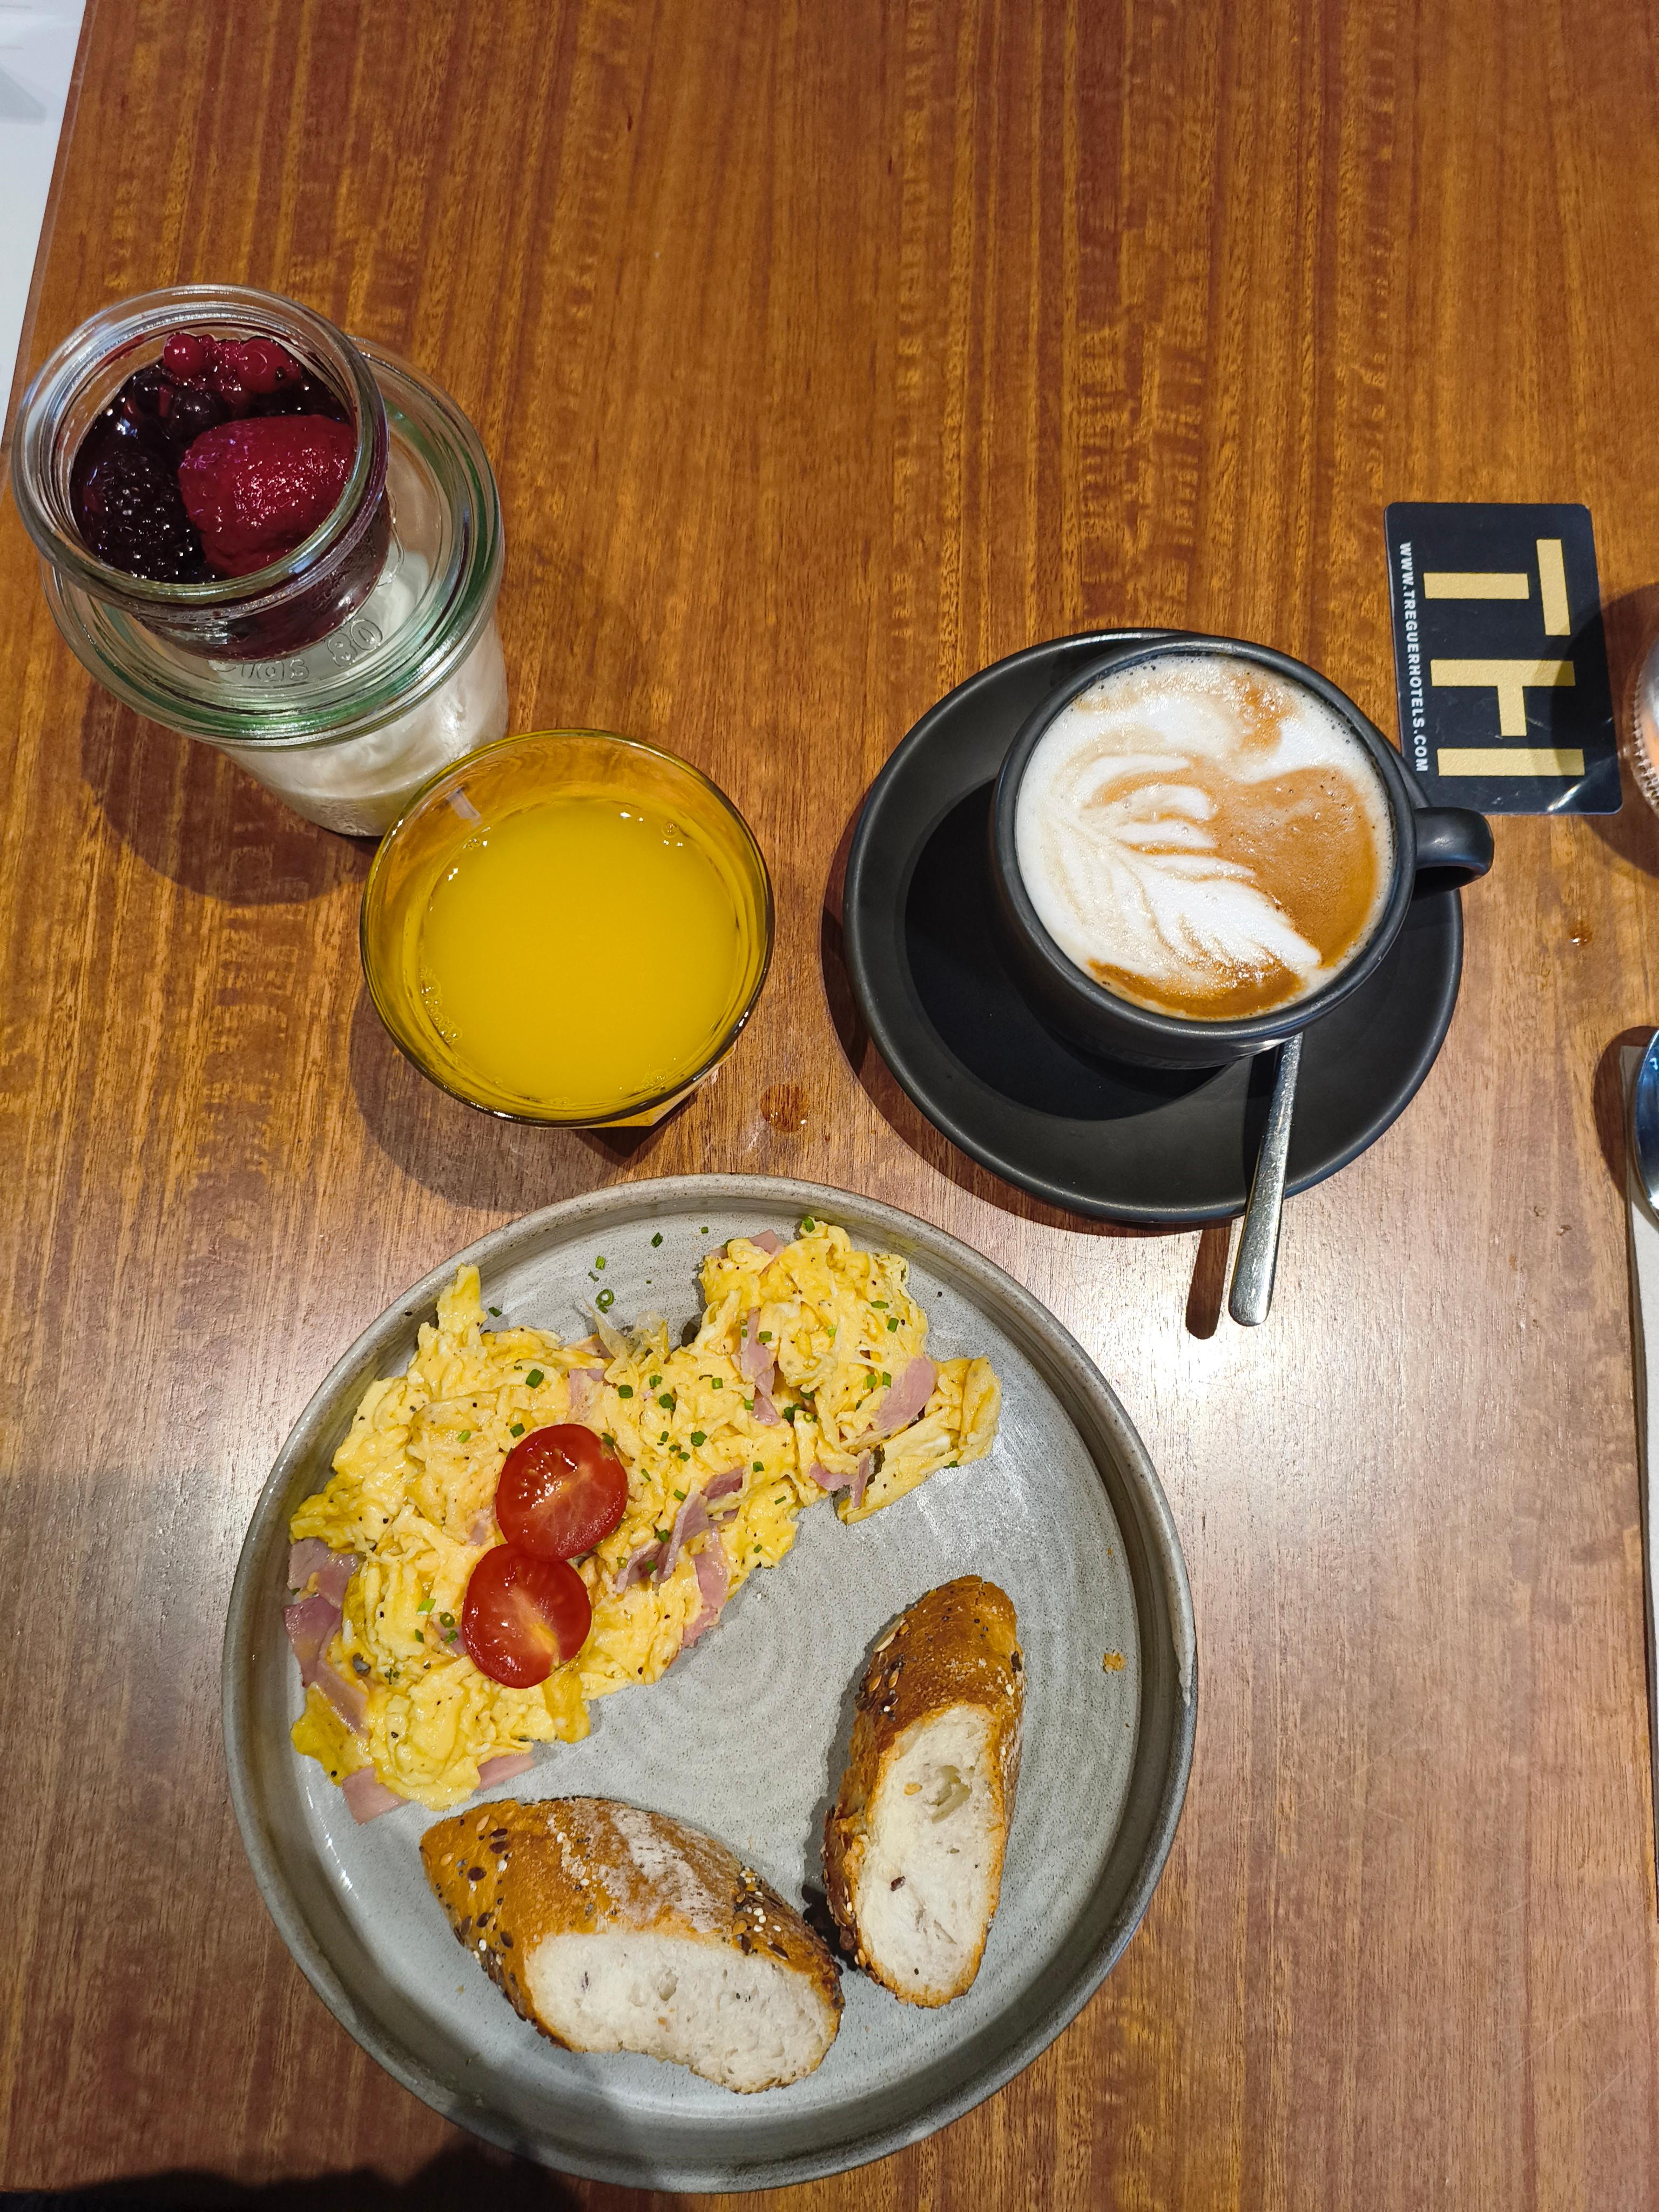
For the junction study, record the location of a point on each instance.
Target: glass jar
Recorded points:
(347, 673)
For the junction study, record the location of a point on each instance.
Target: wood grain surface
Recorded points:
(827, 349)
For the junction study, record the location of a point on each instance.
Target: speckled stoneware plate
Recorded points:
(747, 1734)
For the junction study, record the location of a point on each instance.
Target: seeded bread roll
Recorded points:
(611, 1929)
(913, 1844)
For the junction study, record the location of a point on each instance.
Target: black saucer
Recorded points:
(1096, 1137)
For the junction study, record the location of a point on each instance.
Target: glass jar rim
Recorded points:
(639, 1109)
(126, 323)
(436, 651)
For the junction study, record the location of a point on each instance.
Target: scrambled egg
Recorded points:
(414, 1486)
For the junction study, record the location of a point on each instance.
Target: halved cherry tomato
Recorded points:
(560, 1491)
(522, 1613)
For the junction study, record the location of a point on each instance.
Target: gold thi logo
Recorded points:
(1510, 679)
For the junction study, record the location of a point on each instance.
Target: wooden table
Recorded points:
(827, 351)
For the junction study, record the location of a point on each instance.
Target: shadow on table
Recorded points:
(194, 817)
(468, 2177)
(474, 1159)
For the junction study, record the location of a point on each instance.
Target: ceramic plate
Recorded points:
(925, 956)
(746, 1735)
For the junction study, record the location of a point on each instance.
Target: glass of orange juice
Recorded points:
(568, 926)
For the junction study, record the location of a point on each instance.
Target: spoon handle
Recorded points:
(1252, 1291)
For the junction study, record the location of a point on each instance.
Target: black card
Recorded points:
(1498, 652)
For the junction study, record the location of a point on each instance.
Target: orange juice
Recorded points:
(582, 949)
(568, 926)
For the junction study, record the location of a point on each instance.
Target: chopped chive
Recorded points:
(807, 1225)
(698, 1437)
(600, 1261)
(606, 1300)
(425, 1605)
(663, 1438)
(715, 1382)
(496, 1311)
(463, 1436)
(759, 1467)
(666, 1401)
(517, 1429)
(766, 1336)
(446, 1620)
(790, 1412)
(657, 1239)
(535, 1379)
(652, 1379)
(881, 1303)
(680, 1494)
(888, 1380)
(704, 1232)
(662, 1535)
(625, 1389)
(607, 1439)
(893, 1324)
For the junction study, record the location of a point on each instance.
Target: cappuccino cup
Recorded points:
(1200, 846)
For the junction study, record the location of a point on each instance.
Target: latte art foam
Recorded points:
(1204, 837)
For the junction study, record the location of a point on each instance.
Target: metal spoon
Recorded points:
(1644, 1123)
(1252, 1292)
(1644, 1160)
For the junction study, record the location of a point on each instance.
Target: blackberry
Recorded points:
(131, 516)
(191, 413)
(304, 394)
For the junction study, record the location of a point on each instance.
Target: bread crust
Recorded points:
(958, 1645)
(510, 1873)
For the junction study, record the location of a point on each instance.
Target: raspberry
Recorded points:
(131, 516)
(254, 489)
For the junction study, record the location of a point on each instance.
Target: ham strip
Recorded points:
(755, 1361)
(305, 1558)
(312, 1625)
(347, 1698)
(331, 1580)
(722, 1485)
(911, 1390)
(768, 1241)
(502, 1769)
(368, 1797)
(584, 1392)
(333, 1570)
(856, 1482)
(637, 1567)
(764, 1411)
(478, 1534)
(712, 1581)
(692, 1520)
